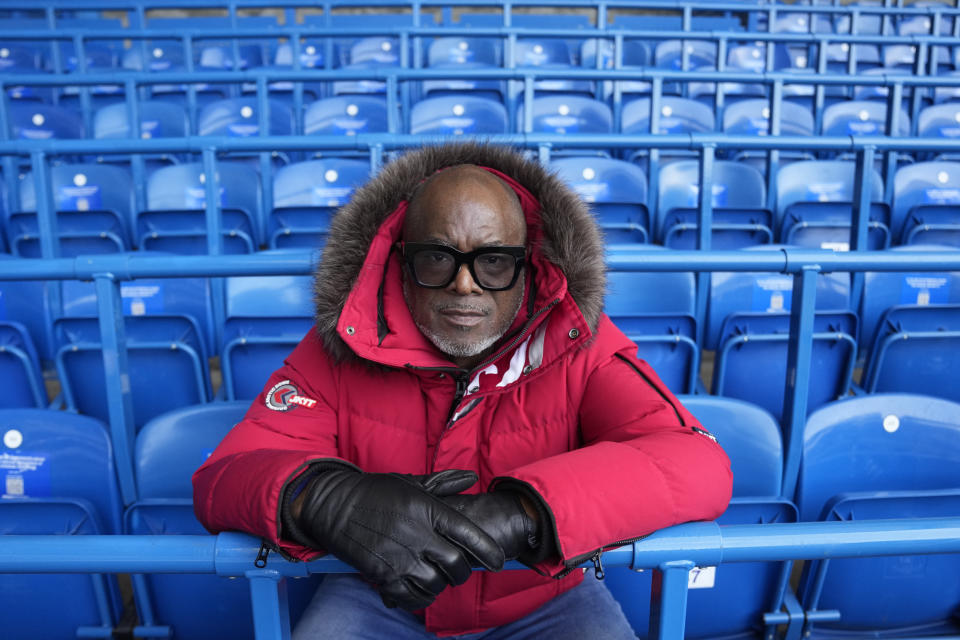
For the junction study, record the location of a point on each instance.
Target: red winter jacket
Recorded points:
(564, 406)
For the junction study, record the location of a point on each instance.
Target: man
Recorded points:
(460, 337)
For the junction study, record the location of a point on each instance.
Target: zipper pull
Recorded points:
(261, 560)
(597, 565)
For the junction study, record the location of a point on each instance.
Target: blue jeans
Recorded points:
(345, 607)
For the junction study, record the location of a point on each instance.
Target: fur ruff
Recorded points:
(571, 237)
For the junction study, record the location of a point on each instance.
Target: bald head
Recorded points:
(457, 190)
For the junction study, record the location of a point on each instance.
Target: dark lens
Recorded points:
(433, 268)
(494, 270)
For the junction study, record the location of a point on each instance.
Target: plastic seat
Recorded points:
(221, 56)
(93, 203)
(59, 480)
(167, 452)
(729, 600)
(752, 118)
(657, 311)
(166, 347)
(879, 457)
(361, 87)
(815, 205)
(547, 54)
(926, 204)
(239, 117)
(677, 115)
(26, 303)
(739, 199)
(380, 49)
(33, 121)
(15, 55)
(175, 219)
(568, 114)
(462, 50)
(305, 197)
(753, 57)
(458, 115)
(669, 54)
(257, 337)
(748, 324)
(157, 120)
(19, 367)
(162, 55)
(861, 118)
(346, 115)
(616, 192)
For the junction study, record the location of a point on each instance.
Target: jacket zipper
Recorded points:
(595, 556)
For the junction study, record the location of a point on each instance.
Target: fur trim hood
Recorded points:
(570, 239)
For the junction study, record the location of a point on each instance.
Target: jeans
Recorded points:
(347, 607)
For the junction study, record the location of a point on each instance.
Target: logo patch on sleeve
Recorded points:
(285, 396)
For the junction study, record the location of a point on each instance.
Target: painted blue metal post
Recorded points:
(704, 231)
(46, 209)
(799, 355)
(116, 369)
(668, 600)
(862, 203)
(271, 614)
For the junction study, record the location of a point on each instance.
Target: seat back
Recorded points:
(568, 114)
(861, 118)
(19, 368)
(460, 50)
(59, 479)
(157, 120)
(677, 115)
(616, 192)
(239, 118)
(458, 115)
(926, 203)
(346, 115)
(35, 121)
(167, 452)
(752, 117)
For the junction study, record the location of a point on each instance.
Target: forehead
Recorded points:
(465, 208)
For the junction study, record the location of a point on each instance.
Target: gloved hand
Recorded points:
(500, 514)
(399, 535)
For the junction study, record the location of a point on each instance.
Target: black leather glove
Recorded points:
(395, 532)
(500, 514)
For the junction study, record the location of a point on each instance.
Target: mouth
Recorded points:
(463, 317)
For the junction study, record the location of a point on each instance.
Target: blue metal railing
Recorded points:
(672, 552)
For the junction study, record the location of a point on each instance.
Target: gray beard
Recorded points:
(461, 349)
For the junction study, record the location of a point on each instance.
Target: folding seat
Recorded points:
(677, 115)
(939, 121)
(730, 92)
(168, 326)
(27, 304)
(616, 192)
(157, 120)
(311, 54)
(59, 479)
(635, 54)
(657, 311)
(33, 121)
(359, 87)
(458, 115)
(740, 217)
(753, 57)
(305, 197)
(729, 600)
(94, 204)
(19, 367)
(383, 50)
(257, 336)
(222, 56)
(14, 55)
(175, 219)
(947, 93)
(553, 22)
(815, 205)
(458, 53)
(752, 118)
(867, 56)
(547, 54)
(911, 330)
(100, 58)
(346, 116)
(669, 54)
(240, 118)
(167, 452)
(748, 325)
(926, 203)
(158, 55)
(568, 114)
(880, 457)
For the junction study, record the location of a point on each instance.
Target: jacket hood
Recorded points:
(569, 237)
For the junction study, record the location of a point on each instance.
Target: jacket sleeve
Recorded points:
(290, 425)
(645, 463)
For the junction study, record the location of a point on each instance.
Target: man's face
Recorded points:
(465, 208)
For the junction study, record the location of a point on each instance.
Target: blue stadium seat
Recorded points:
(730, 600)
(239, 118)
(361, 87)
(221, 56)
(549, 55)
(947, 93)
(616, 192)
(157, 120)
(926, 204)
(879, 457)
(383, 50)
(346, 115)
(26, 303)
(861, 118)
(257, 336)
(167, 452)
(305, 197)
(740, 217)
(160, 55)
(15, 55)
(458, 115)
(910, 330)
(677, 115)
(19, 367)
(748, 323)
(59, 479)
(465, 53)
(175, 219)
(169, 336)
(658, 312)
(753, 57)
(752, 118)
(568, 114)
(311, 54)
(815, 205)
(939, 121)
(33, 121)
(669, 54)
(94, 204)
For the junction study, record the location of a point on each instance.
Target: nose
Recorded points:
(463, 282)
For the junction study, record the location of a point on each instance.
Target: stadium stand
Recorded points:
(827, 127)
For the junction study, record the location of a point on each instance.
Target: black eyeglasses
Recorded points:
(436, 265)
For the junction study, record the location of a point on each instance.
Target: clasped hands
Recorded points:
(412, 536)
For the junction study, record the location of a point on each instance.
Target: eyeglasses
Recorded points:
(434, 266)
